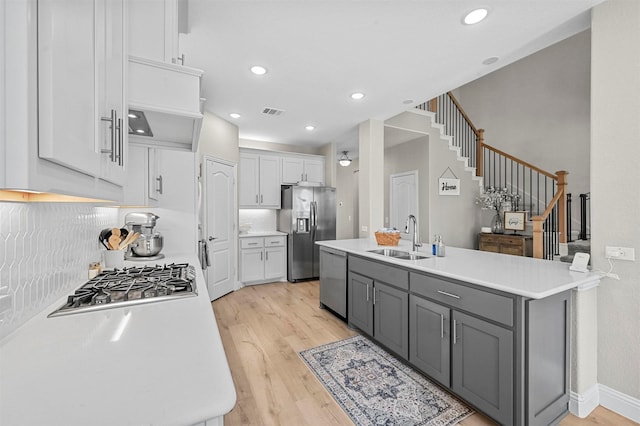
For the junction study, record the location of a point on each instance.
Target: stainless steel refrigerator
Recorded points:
(307, 215)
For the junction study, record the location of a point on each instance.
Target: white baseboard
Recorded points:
(620, 403)
(582, 405)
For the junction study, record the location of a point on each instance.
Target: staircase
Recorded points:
(540, 193)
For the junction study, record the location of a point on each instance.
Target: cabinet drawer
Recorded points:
(275, 241)
(380, 272)
(489, 305)
(251, 242)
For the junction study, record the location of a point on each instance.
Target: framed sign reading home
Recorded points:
(448, 186)
(515, 221)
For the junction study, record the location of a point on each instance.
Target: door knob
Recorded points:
(212, 238)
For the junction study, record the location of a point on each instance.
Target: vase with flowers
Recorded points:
(499, 200)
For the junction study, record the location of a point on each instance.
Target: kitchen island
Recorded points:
(159, 363)
(494, 329)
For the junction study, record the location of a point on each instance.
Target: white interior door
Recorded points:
(220, 228)
(403, 199)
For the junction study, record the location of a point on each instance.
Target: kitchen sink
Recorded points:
(410, 256)
(397, 254)
(389, 252)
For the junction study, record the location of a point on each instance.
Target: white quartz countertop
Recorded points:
(523, 276)
(152, 364)
(261, 234)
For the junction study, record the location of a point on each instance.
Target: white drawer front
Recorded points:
(257, 242)
(274, 241)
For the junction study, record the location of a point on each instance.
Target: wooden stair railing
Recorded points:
(545, 191)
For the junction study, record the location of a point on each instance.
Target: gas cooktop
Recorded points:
(131, 286)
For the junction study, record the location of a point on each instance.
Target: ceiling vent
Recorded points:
(272, 111)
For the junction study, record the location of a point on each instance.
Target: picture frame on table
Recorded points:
(515, 221)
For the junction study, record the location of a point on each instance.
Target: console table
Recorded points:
(519, 245)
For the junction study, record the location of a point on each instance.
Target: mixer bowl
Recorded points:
(148, 245)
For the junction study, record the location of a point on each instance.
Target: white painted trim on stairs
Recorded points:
(582, 405)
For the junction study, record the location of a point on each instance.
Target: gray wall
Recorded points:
(538, 110)
(219, 138)
(347, 201)
(615, 176)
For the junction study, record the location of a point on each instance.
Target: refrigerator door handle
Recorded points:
(314, 219)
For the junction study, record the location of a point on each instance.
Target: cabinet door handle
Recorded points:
(374, 295)
(449, 294)
(441, 326)
(160, 189)
(266, 254)
(367, 292)
(256, 198)
(120, 155)
(252, 244)
(112, 127)
(455, 334)
(261, 198)
(260, 255)
(179, 59)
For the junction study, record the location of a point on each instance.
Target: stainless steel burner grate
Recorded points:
(130, 286)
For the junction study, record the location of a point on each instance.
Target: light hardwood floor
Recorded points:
(263, 328)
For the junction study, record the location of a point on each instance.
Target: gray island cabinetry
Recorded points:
(378, 303)
(505, 354)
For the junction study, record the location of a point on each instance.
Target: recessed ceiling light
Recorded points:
(310, 127)
(407, 101)
(491, 60)
(234, 115)
(130, 115)
(357, 96)
(139, 131)
(475, 16)
(258, 70)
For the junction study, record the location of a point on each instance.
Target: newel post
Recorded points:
(480, 153)
(562, 205)
(432, 105)
(538, 244)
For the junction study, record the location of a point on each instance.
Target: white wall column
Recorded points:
(371, 177)
(615, 199)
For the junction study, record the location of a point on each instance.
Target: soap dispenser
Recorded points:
(440, 247)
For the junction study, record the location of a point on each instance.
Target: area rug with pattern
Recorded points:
(374, 388)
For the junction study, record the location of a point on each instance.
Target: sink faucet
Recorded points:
(414, 239)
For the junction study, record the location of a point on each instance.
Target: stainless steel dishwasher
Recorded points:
(333, 280)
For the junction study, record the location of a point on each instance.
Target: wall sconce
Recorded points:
(344, 159)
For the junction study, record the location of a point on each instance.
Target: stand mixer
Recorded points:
(149, 244)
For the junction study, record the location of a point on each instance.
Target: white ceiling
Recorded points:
(318, 52)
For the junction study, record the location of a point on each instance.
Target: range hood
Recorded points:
(165, 108)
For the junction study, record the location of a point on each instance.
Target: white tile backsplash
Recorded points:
(261, 220)
(45, 251)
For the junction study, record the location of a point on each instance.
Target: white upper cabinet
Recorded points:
(302, 169)
(81, 103)
(154, 27)
(66, 84)
(259, 181)
(161, 178)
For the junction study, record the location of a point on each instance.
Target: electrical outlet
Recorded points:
(620, 253)
(364, 228)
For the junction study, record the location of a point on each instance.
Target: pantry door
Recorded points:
(220, 226)
(403, 199)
